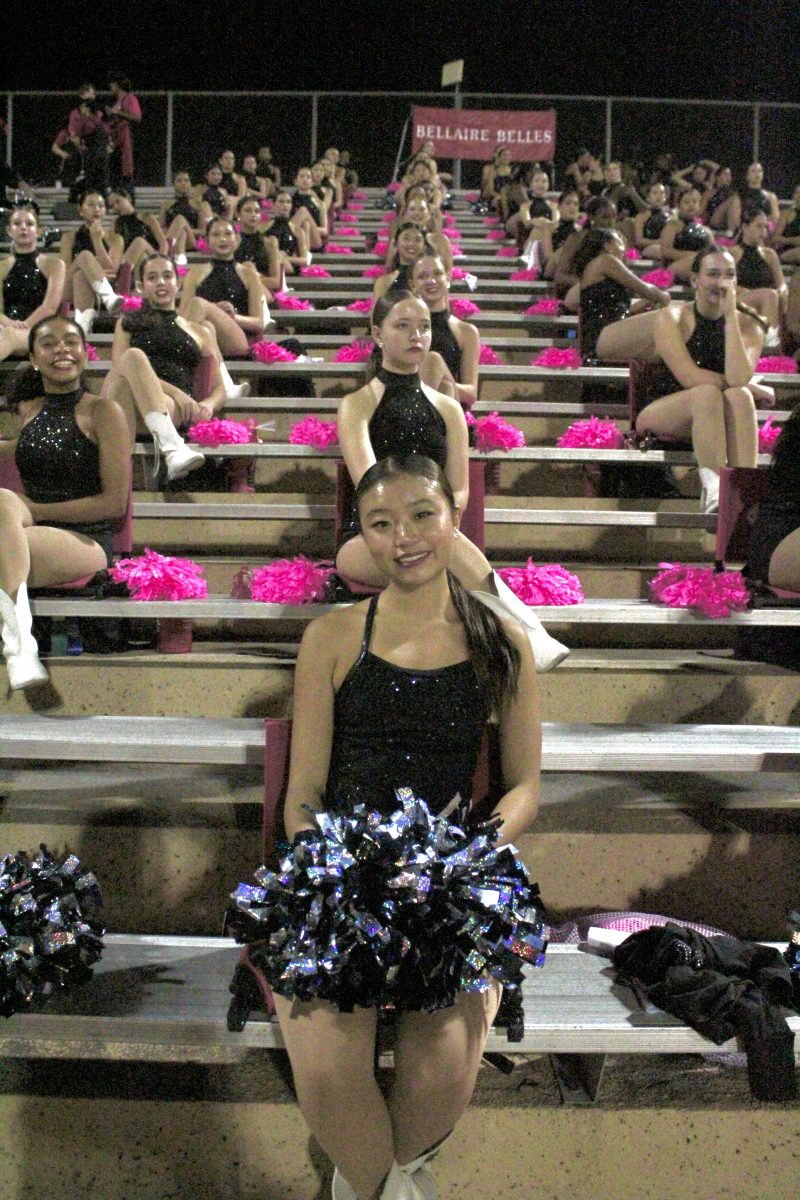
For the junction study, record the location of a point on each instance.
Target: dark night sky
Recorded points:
(724, 49)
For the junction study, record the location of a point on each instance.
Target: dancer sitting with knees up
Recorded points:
(140, 235)
(154, 358)
(179, 217)
(289, 237)
(31, 284)
(759, 273)
(683, 236)
(396, 414)
(458, 342)
(774, 555)
(90, 256)
(607, 287)
(394, 693)
(406, 248)
(257, 247)
(709, 349)
(72, 452)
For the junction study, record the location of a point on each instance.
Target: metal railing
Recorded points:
(188, 129)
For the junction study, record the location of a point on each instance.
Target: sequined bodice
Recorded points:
(752, 270)
(215, 200)
(405, 421)
(443, 341)
(181, 207)
(654, 224)
(251, 249)
(282, 231)
(130, 226)
(399, 727)
(223, 283)
(55, 459)
(83, 241)
(601, 304)
(706, 348)
(691, 236)
(24, 287)
(173, 353)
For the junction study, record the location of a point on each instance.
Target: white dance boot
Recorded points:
(233, 391)
(19, 645)
(398, 1185)
(709, 493)
(547, 652)
(85, 318)
(111, 300)
(179, 457)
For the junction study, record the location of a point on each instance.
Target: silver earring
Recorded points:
(456, 533)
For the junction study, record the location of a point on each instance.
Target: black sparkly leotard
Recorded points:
(443, 341)
(215, 200)
(755, 199)
(57, 462)
(173, 353)
(540, 208)
(792, 228)
(718, 199)
(400, 727)
(181, 207)
(562, 231)
(752, 271)
(601, 304)
(306, 200)
(24, 287)
(223, 283)
(251, 181)
(130, 226)
(83, 241)
(691, 237)
(779, 511)
(228, 183)
(251, 248)
(706, 348)
(282, 231)
(654, 224)
(401, 282)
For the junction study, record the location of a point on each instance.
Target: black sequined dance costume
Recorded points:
(83, 241)
(251, 248)
(402, 281)
(752, 271)
(307, 201)
(653, 226)
(562, 231)
(691, 237)
(602, 303)
(282, 231)
(444, 342)
(24, 287)
(181, 207)
(130, 226)
(57, 462)
(706, 348)
(223, 283)
(779, 511)
(216, 199)
(173, 353)
(404, 422)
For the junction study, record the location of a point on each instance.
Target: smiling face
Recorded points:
(408, 526)
(93, 207)
(59, 354)
(160, 283)
(716, 276)
(657, 195)
(222, 239)
(429, 280)
(182, 183)
(214, 175)
(282, 204)
(540, 183)
(250, 216)
(410, 244)
(418, 210)
(404, 336)
(23, 229)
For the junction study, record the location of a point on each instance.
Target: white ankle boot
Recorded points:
(709, 493)
(547, 652)
(233, 391)
(85, 318)
(19, 645)
(180, 459)
(340, 1188)
(110, 299)
(398, 1185)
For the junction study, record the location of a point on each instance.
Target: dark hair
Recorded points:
(567, 192)
(25, 202)
(400, 229)
(27, 382)
(697, 262)
(218, 219)
(122, 80)
(598, 205)
(749, 213)
(248, 196)
(593, 242)
(688, 192)
(122, 189)
(380, 311)
(494, 657)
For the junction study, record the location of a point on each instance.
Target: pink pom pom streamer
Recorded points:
(358, 196)
(594, 434)
(335, 248)
(347, 231)
(458, 273)
(222, 432)
(725, 242)
(290, 581)
(181, 270)
(768, 435)
(493, 432)
(91, 353)
(632, 254)
(507, 252)
(489, 357)
(660, 278)
(358, 350)
(380, 249)
(547, 584)
(529, 273)
(777, 364)
(360, 306)
(471, 197)
(313, 432)
(131, 303)
(266, 205)
(372, 272)
(713, 593)
(287, 301)
(547, 306)
(201, 244)
(271, 352)
(463, 308)
(315, 273)
(393, 187)
(490, 221)
(152, 576)
(355, 207)
(496, 235)
(558, 360)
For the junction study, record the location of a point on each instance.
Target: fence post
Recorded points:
(168, 162)
(9, 127)
(608, 129)
(756, 131)
(314, 124)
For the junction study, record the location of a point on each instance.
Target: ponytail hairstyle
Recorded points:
(146, 316)
(494, 657)
(380, 311)
(697, 261)
(591, 245)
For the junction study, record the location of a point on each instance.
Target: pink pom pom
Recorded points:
(290, 581)
(221, 432)
(358, 350)
(595, 434)
(548, 584)
(346, 231)
(387, 218)
(131, 303)
(361, 306)
(489, 357)
(558, 360)
(393, 187)
(547, 306)
(494, 433)
(660, 278)
(496, 235)
(287, 301)
(777, 364)
(458, 273)
(271, 352)
(180, 270)
(507, 252)
(266, 205)
(725, 242)
(335, 248)
(315, 273)
(380, 249)
(372, 272)
(529, 273)
(768, 435)
(355, 207)
(632, 254)
(153, 576)
(358, 196)
(91, 353)
(713, 593)
(313, 432)
(490, 221)
(463, 308)
(471, 197)
(201, 244)
(468, 417)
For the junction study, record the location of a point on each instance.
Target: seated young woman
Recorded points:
(607, 288)
(310, 213)
(232, 182)
(536, 215)
(225, 292)
(715, 202)
(417, 211)
(786, 238)
(255, 184)
(154, 356)
(140, 235)
(257, 246)
(31, 284)
(752, 194)
(403, 252)
(683, 237)
(774, 554)
(648, 225)
(758, 271)
(72, 452)
(90, 256)
(211, 198)
(396, 414)
(289, 235)
(600, 214)
(458, 342)
(709, 348)
(179, 217)
(496, 177)
(555, 236)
